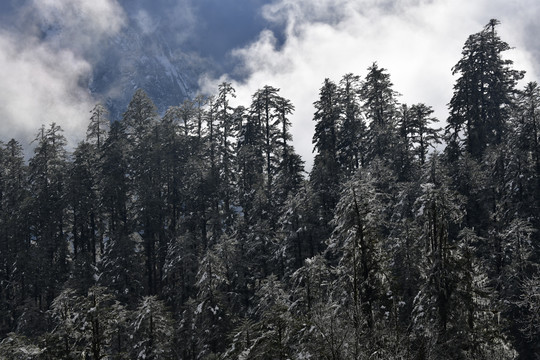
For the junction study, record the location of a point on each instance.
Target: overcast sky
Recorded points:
(290, 44)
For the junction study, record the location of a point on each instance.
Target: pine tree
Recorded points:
(264, 109)
(120, 269)
(325, 173)
(211, 315)
(452, 306)
(187, 114)
(152, 331)
(356, 241)
(98, 127)
(139, 117)
(483, 94)
(83, 200)
(328, 324)
(525, 143)
(352, 129)
(290, 170)
(250, 162)
(379, 106)
(271, 338)
(404, 163)
(529, 302)
(227, 122)
(423, 134)
(114, 183)
(299, 236)
(47, 171)
(145, 171)
(14, 235)
(121, 263)
(96, 135)
(84, 324)
(83, 204)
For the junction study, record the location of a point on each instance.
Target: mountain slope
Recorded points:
(134, 59)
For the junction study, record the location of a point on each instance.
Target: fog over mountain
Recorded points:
(59, 58)
(166, 46)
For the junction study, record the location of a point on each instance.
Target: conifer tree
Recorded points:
(379, 106)
(423, 134)
(356, 241)
(83, 200)
(226, 118)
(264, 109)
(525, 142)
(483, 93)
(325, 173)
(98, 127)
(250, 162)
(404, 162)
(145, 172)
(14, 235)
(114, 182)
(47, 171)
(152, 331)
(352, 129)
(83, 205)
(290, 166)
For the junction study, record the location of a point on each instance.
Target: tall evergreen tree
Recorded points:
(250, 162)
(264, 108)
(83, 203)
(14, 235)
(525, 140)
(479, 108)
(98, 126)
(379, 106)
(47, 171)
(325, 173)
(352, 129)
(290, 166)
(145, 171)
(228, 127)
(357, 243)
(423, 134)
(114, 192)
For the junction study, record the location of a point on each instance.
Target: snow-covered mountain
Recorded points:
(138, 59)
(59, 58)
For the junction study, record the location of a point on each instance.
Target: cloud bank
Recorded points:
(45, 66)
(417, 41)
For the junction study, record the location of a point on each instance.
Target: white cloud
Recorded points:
(39, 87)
(182, 15)
(82, 24)
(418, 41)
(145, 22)
(45, 68)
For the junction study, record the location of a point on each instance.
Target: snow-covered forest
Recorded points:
(199, 235)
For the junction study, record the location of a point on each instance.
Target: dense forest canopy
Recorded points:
(198, 235)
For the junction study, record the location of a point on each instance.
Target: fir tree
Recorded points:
(483, 94)
(379, 106)
(47, 171)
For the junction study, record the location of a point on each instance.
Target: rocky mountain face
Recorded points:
(137, 59)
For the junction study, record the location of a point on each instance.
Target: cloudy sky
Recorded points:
(290, 44)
